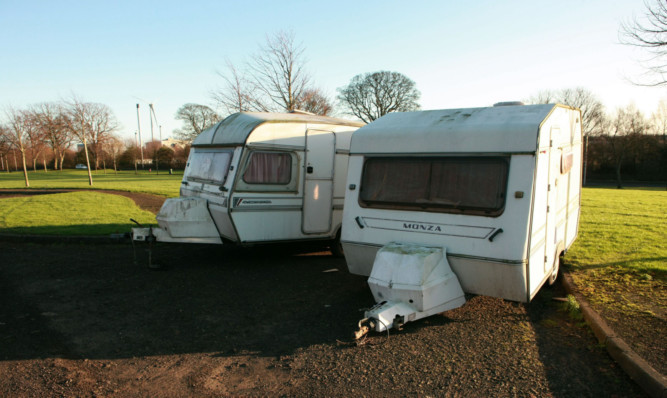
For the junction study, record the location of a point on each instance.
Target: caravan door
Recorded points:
(318, 181)
(552, 200)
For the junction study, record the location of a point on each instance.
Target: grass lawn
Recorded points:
(619, 259)
(162, 184)
(74, 213)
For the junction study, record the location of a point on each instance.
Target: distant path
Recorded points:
(145, 201)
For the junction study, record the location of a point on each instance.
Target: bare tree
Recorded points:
(659, 119)
(102, 124)
(17, 135)
(196, 118)
(115, 146)
(51, 119)
(239, 93)
(36, 139)
(91, 123)
(315, 101)
(5, 147)
(278, 71)
(627, 125)
(650, 34)
(275, 79)
(372, 95)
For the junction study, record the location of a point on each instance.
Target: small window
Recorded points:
(268, 168)
(470, 185)
(566, 161)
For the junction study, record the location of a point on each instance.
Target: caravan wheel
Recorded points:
(336, 247)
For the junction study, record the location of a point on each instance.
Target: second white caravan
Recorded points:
(486, 196)
(260, 178)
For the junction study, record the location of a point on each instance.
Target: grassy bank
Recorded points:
(620, 256)
(162, 184)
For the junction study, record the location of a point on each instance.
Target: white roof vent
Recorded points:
(508, 103)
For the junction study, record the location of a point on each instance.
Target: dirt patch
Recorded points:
(84, 320)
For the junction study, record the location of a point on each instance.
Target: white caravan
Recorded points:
(259, 178)
(486, 196)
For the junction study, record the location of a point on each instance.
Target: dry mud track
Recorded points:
(84, 320)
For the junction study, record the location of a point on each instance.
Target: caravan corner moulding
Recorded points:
(259, 178)
(497, 189)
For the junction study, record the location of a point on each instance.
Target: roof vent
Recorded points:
(508, 103)
(300, 112)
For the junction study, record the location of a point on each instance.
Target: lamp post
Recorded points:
(141, 144)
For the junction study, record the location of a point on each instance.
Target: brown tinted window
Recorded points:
(473, 185)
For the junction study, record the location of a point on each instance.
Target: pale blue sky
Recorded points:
(460, 54)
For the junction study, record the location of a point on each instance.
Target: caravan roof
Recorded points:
(501, 129)
(237, 127)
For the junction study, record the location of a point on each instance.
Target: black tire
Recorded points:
(554, 270)
(336, 247)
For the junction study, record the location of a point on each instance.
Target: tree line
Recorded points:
(275, 79)
(44, 134)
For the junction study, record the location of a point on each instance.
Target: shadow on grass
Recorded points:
(630, 264)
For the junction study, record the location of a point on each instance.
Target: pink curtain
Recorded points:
(268, 168)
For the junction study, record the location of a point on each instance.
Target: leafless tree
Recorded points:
(369, 96)
(315, 101)
(659, 119)
(36, 139)
(115, 147)
(17, 135)
(196, 118)
(5, 147)
(626, 126)
(239, 93)
(51, 119)
(278, 71)
(274, 80)
(91, 123)
(650, 34)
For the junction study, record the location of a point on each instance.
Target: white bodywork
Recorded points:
(259, 178)
(506, 251)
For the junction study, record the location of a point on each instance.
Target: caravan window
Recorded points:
(209, 165)
(268, 168)
(566, 162)
(470, 185)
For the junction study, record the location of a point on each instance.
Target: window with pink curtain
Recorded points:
(472, 185)
(268, 168)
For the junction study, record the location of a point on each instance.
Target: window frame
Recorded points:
(196, 151)
(434, 207)
(291, 186)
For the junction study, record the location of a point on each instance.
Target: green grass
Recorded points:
(74, 213)
(162, 184)
(620, 257)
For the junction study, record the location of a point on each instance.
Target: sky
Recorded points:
(459, 53)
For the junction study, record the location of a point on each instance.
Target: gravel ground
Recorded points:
(84, 320)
